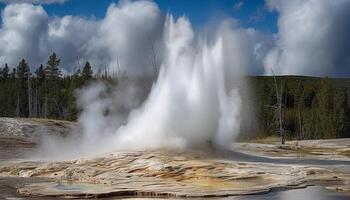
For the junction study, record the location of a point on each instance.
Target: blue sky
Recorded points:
(252, 13)
(264, 48)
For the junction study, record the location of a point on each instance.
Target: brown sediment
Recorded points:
(334, 149)
(156, 173)
(164, 173)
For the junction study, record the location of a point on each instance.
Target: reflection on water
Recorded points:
(76, 186)
(310, 193)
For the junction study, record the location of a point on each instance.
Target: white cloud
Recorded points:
(128, 37)
(23, 33)
(238, 6)
(33, 1)
(28, 32)
(125, 36)
(313, 38)
(69, 37)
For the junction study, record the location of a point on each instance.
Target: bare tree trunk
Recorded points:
(39, 102)
(36, 103)
(29, 97)
(300, 125)
(17, 107)
(279, 110)
(45, 105)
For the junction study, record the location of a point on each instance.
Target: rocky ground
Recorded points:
(333, 149)
(19, 136)
(163, 173)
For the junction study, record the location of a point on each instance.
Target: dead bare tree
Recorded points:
(17, 107)
(45, 104)
(29, 95)
(301, 131)
(35, 100)
(77, 65)
(300, 117)
(278, 109)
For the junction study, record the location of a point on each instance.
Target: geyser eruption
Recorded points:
(189, 105)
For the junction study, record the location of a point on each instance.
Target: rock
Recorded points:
(156, 173)
(310, 172)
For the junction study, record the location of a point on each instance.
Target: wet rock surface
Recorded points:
(160, 173)
(202, 174)
(33, 128)
(9, 186)
(333, 149)
(18, 136)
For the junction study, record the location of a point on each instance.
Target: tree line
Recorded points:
(311, 107)
(44, 93)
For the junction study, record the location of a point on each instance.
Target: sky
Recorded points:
(252, 13)
(299, 37)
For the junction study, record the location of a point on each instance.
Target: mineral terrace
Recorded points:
(192, 173)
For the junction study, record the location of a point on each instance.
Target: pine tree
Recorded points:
(39, 90)
(40, 73)
(22, 69)
(52, 87)
(23, 74)
(13, 74)
(87, 71)
(52, 68)
(5, 72)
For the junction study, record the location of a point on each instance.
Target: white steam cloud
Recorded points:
(313, 38)
(192, 104)
(189, 105)
(246, 48)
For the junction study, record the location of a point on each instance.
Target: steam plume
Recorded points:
(190, 105)
(312, 38)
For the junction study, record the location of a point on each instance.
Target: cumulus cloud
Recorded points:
(128, 38)
(69, 37)
(313, 38)
(129, 34)
(28, 32)
(33, 1)
(23, 33)
(238, 6)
